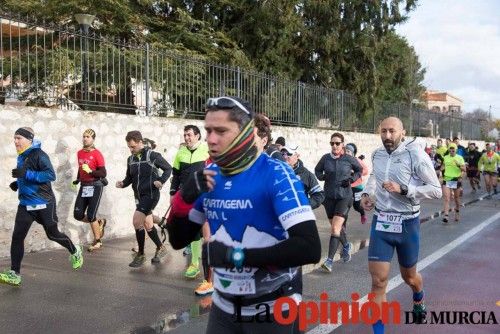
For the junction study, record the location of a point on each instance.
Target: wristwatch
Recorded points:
(238, 256)
(404, 190)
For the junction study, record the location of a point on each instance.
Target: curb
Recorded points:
(359, 245)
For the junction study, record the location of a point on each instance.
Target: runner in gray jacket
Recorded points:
(338, 170)
(402, 175)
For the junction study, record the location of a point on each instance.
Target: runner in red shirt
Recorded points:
(91, 176)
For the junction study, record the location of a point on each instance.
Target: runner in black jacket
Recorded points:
(338, 170)
(142, 174)
(472, 159)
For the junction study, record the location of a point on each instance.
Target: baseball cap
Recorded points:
(290, 148)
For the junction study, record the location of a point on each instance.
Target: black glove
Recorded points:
(195, 185)
(346, 183)
(13, 186)
(18, 172)
(217, 254)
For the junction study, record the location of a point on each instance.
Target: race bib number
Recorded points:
(452, 184)
(235, 281)
(389, 222)
(36, 207)
(357, 196)
(87, 191)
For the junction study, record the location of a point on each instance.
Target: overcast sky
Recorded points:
(458, 42)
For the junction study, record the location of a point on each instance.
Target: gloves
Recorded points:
(218, 254)
(346, 183)
(86, 169)
(18, 173)
(195, 185)
(13, 186)
(74, 185)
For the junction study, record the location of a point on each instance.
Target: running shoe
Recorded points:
(346, 252)
(419, 309)
(192, 271)
(102, 225)
(97, 244)
(10, 277)
(76, 259)
(137, 261)
(160, 252)
(445, 219)
(204, 288)
(327, 265)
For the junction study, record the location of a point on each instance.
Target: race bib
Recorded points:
(87, 191)
(235, 281)
(36, 207)
(389, 222)
(452, 184)
(357, 196)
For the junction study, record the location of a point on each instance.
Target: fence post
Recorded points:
(238, 81)
(341, 123)
(146, 65)
(299, 102)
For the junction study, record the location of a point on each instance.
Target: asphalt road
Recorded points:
(106, 296)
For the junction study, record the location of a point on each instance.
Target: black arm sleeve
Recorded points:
(99, 172)
(302, 247)
(319, 169)
(162, 164)
(356, 167)
(128, 178)
(316, 199)
(182, 231)
(176, 181)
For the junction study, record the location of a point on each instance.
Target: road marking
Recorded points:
(421, 265)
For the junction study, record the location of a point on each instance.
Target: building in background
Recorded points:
(442, 102)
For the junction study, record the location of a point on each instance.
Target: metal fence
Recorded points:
(44, 65)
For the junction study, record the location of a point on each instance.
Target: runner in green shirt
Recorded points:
(488, 164)
(454, 166)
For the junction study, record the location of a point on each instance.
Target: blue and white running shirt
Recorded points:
(253, 209)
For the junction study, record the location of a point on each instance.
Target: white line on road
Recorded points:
(397, 280)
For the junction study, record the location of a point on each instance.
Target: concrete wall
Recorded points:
(60, 132)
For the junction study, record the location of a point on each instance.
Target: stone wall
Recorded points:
(60, 132)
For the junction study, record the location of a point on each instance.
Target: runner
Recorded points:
(312, 188)
(488, 165)
(190, 157)
(454, 165)
(358, 185)
(437, 161)
(441, 149)
(402, 175)
(261, 223)
(460, 149)
(91, 174)
(34, 174)
(263, 140)
(339, 171)
(142, 173)
(472, 160)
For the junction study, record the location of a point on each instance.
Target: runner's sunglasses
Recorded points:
(225, 102)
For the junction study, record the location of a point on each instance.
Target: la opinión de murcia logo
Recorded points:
(310, 313)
